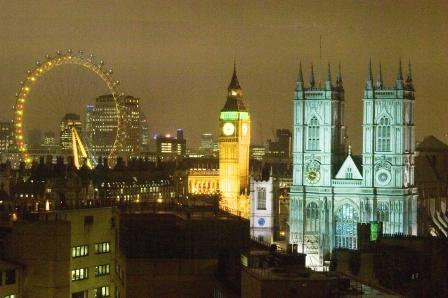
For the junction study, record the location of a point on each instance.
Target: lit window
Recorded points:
(346, 226)
(312, 217)
(102, 291)
(261, 198)
(102, 270)
(80, 251)
(383, 135)
(313, 134)
(101, 248)
(80, 274)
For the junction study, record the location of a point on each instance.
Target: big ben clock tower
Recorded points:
(234, 141)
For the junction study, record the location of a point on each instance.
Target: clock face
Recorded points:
(261, 221)
(228, 129)
(312, 176)
(245, 129)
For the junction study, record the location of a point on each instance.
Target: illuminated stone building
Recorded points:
(69, 121)
(203, 176)
(269, 203)
(234, 142)
(333, 191)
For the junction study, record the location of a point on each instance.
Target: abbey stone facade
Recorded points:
(332, 190)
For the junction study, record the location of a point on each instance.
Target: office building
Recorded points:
(69, 122)
(169, 146)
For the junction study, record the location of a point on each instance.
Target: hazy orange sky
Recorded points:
(177, 56)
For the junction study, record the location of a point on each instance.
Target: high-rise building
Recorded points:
(6, 136)
(171, 146)
(280, 148)
(145, 138)
(101, 124)
(207, 144)
(234, 141)
(257, 152)
(132, 125)
(49, 141)
(69, 121)
(332, 191)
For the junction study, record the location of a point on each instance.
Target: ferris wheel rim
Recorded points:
(41, 68)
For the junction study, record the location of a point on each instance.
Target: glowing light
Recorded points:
(19, 112)
(14, 216)
(233, 92)
(27, 89)
(159, 200)
(33, 79)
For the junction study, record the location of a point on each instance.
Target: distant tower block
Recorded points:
(234, 142)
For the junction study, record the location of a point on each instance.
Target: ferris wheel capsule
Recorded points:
(101, 62)
(17, 94)
(21, 82)
(48, 56)
(91, 56)
(28, 71)
(110, 71)
(69, 51)
(81, 52)
(58, 52)
(37, 62)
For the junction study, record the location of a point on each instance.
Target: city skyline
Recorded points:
(179, 59)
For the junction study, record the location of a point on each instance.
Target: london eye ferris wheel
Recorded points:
(41, 70)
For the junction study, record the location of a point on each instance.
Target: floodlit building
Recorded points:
(333, 190)
(234, 142)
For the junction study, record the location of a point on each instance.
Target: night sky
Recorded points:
(177, 56)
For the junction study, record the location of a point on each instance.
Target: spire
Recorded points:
(300, 78)
(400, 73)
(234, 84)
(329, 73)
(369, 84)
(299, 83)
(312, 81)
(328, 80)
(409, 84)
(379, 82)
(339, 77)
(409, 77)
(399, 82)
(349, 149)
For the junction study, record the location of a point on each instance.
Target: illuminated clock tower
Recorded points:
(234, 142)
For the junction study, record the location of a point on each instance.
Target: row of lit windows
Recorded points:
(83, 250)
(101, 248)
(80, 274)
(83, 273)
(80, 251)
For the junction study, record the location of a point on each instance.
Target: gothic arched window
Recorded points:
(383, 135)
(313, 134)
(312, 217)
(346, 226)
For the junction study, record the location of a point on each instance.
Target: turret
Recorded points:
(328, 85)
(399, 81)
(369, 82)
(299, 83)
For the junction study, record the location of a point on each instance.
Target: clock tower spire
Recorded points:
(234, 142)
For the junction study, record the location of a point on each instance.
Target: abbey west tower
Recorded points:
(234, 142)
(332, 190)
